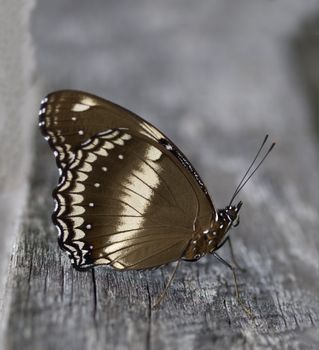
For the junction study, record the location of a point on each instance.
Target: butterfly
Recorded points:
(127, 196)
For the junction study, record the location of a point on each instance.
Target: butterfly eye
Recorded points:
(236, 222)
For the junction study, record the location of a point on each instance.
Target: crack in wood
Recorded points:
(149, 318)
(280, 309)
(227, 313)
(62, 283)
(95, 298)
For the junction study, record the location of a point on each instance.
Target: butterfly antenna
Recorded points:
(244, 179)
(263, 159)
(247, 171)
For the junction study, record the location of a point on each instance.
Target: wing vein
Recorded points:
(146, 258)
(159, 175)
(125, 203)
(129, 189)
(157, 238)
(150, 187)
(135, 229)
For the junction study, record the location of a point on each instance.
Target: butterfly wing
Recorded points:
(68, 117)
(128, 201)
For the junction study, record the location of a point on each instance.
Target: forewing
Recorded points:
(127, 201)
(68, 118)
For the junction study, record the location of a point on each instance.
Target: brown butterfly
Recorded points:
(127, 196)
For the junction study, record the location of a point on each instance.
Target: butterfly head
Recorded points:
(224, 220)
(232, 214)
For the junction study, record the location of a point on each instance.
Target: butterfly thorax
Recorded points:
(207, 240)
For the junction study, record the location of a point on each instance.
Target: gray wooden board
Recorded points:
(54, 306)
(17, 99)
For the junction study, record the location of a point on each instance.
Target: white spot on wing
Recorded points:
(42, 111)
(153, 154)
(78, 234)
(108, 145)
(102, 152)
(117, 265)
(88, 101)
(79, 107)
(59, 230)
(126, 137)
(91, 157)
(102, 261)
(119, 142)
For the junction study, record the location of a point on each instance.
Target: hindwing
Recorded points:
(127, 201)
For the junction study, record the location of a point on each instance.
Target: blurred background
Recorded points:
(215, 76)
(209, 74)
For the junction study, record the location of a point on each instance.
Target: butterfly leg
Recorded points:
(240, 301)
(233, 256)
(161, 297)
(234, 261)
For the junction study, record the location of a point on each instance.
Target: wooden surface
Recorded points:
(214, 76)
(17, 99)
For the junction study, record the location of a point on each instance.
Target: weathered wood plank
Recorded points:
(17, 99)
(194, 72)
